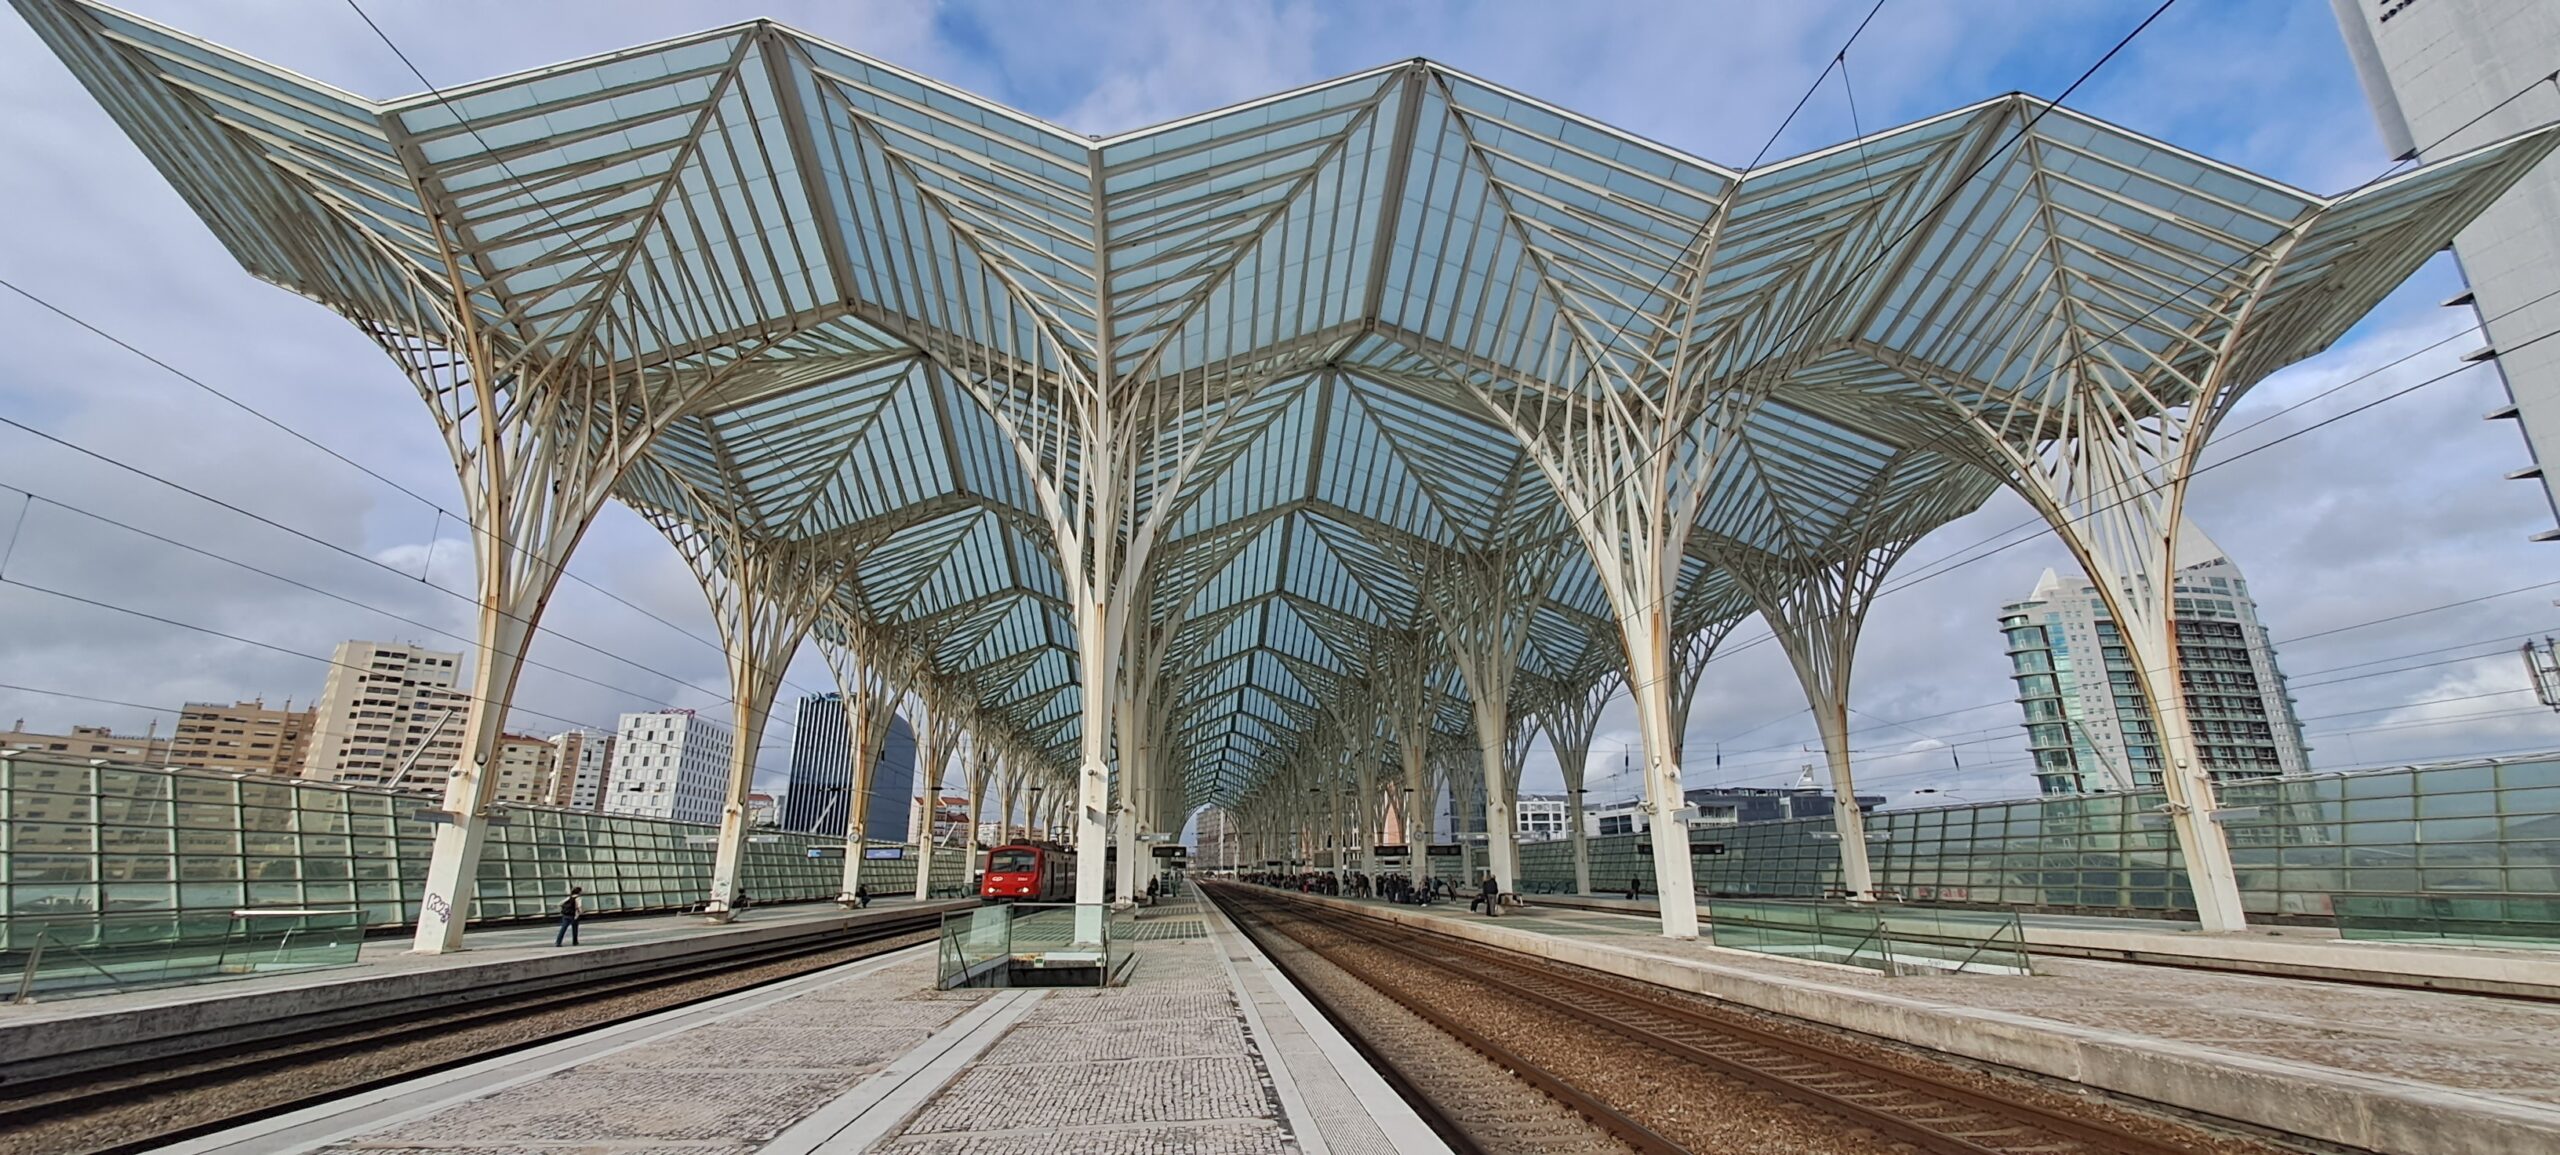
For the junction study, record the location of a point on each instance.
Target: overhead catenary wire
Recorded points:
(356, 555)
(31, 496)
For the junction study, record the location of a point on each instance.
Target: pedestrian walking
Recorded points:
(861, 896)
(1635, 885)
(569, 910)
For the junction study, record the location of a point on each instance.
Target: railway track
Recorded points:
(142, 1104)
(1947, 1116)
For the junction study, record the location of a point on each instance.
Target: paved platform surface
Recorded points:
(2211, 1041)
(1198, 1053)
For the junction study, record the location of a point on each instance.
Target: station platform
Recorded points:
(2313, 952)
(74, 1033)
(1203, 1050)
(2423, 1072)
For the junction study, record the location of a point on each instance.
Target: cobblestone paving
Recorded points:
(1161, 1065)
(724, 1087)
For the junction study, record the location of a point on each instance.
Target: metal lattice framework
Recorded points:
(1162, 454)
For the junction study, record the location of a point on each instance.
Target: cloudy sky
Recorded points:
(2395, 509)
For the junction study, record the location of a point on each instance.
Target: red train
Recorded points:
(1029, 872)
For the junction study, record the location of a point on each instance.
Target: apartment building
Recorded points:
(524, 770)
(243, 737)
(389, 715)
(87, 742)
(580, 761)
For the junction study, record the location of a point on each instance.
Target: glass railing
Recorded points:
(2506, 920)
(131, 950)
(1893, 940)
(977, 945)
(995, 946)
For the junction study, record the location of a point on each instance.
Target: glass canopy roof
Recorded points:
(843, 262)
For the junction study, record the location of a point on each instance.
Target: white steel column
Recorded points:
(937, 738)
(537, 448)
(1570, 722)
(1816, 607)
(1483, 603)
(764, 597)
(868, 716)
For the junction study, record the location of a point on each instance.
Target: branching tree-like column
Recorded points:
(1632, 465)
(1515, 762)
(937, 738)
(1483, 602)
(539, 436)
(536, 463)
(1454, 762)
(2101, 435)
(1369, 750)
(1816, 610)
(1401, 670)
(765, 595)
(1569, 722)
(870, 698)
(1145, 719)
(984, 762)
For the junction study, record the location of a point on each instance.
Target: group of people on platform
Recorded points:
(1393, 886)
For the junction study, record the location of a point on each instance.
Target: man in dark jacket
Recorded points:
(1489, 893)
(569, 910)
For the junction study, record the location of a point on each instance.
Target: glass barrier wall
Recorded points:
(2465, 828)
(1892, 939)
(2508, 920)
(48, 955)
(90, 840)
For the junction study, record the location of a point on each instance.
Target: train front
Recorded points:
(1014, 874)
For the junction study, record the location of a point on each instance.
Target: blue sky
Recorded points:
(2397, 509)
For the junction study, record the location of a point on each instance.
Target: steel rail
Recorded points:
(1947, 1117)
(1617, 1123)
(53, 1099)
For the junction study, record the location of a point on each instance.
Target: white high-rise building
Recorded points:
(389, 711)
(579, 762)
(2088, 726)
(669, 764)
(2445, 76)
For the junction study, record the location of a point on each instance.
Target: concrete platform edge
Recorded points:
(1395, 1119)
(2324, 1103)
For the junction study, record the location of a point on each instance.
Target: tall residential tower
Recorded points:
(389, 715)
(2087, 724)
